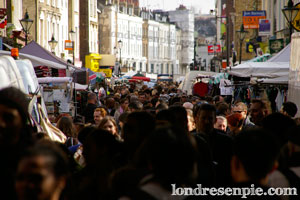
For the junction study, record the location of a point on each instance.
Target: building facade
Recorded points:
(88, 23)
(184, 19)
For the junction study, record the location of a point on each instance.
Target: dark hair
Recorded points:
(171, 155)
(136, 105)
(278, 124)
(203, 107)
(257, 150)
(58, 163)
(161, 106)
(222, 108)
(261, 103)
(83, 133)
(180, 116)
(123, 117)
(91, 96)
(290, 108)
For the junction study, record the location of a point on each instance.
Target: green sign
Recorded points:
(276, 45)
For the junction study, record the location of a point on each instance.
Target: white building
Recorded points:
(184, 19)
(121, 34)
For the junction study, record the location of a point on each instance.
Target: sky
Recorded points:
(203, 5)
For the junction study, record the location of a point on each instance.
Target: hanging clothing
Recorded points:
(200, 89)
(279, 100)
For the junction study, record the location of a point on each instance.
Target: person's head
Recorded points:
(161, 106)
(65, 124)
(14, 117)
(278, 124)
(205, 117)
(135, 106)
(221, 123)
(137, 127)
(217, 99)
(294, 140)
(180, 116)
(191, 120)
(235, 122)
(142, 97)
(222, 108)
(289, 108)
(108, 123)
(241, 108)
(123, 119)
(188, 105)
(99, 148)
(258, 111)
(255, 154)
(110, 103)
(124, 102)
(92, 98)
(42, 172)
(170, 155)
(99, 114)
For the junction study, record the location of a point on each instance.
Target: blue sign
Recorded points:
(254, 13)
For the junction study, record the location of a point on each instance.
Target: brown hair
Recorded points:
(65, 124)
(105, 120)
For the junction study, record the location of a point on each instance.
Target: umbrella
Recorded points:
(139, 76)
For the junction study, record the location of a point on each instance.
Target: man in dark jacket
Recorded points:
(91, 106)
(219, 143)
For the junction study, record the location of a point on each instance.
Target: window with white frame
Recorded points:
(42, 1)
(48, 2)
(53, 2)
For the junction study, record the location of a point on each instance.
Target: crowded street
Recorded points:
(139, 100)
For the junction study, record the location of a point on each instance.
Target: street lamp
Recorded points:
(52, 44)
(72, 35)
(241, 34)
(120, 44)
(290, 12)
(26, 24)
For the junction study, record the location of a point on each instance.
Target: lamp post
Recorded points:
(26, 24)
(72, 35)
(120, 44)
(241, 34)
(290, 12)
(52, 44)
(227, 34)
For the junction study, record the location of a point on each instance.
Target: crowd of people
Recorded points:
(135, 143)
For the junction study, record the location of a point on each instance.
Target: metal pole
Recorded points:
(241, 51)
(25, 37)
(291, 32)
(73, 52)
(120, 66)
(227, 42)
(194, 55)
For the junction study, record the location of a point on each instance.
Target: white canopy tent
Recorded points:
(275, 70)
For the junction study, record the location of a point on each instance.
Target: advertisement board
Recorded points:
(264, 27)
(276, 45)
(296, 21)
(106, 70)
(251, 18)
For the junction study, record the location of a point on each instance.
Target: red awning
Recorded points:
(140, 78)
